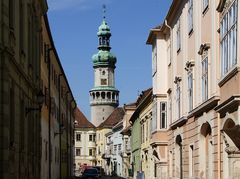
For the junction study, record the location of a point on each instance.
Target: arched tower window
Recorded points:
(108, 95)
(103, 95)
(97, 95)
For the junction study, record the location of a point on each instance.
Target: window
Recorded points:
(78, 151)
(78, 137)
(119, 147)
(190, 16)
(205, 79)
(103, 81)
(178, 36)
(154, 117)
(90, 152)
(115, 149)
(228, 39)
(11, 7)
(90, 137)
(178, 100)
(143, 135)
(154, 58)
(190, 91)
(204, 5)
(163, 117)
(191, 162)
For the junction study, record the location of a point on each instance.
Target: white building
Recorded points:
(85, 143)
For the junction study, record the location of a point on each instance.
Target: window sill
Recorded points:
(204, 107)
(228, 76)
(178, 123)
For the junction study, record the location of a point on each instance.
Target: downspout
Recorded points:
(71, 135)
(49, 113)
(60, 125)
(67, 130)
(219, 146)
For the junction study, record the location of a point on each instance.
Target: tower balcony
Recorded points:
(104, 97)
(103, 101)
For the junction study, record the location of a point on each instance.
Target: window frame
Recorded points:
(205, 5)
(178, 34)
(78, 139)
(190, 17)
(228, 31)
(161, 117)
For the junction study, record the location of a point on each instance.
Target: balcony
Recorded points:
(104, 101)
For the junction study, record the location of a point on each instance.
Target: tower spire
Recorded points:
(104, 11)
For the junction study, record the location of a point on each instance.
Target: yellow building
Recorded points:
(20, 88)
(101, 140)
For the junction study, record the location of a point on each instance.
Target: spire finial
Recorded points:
(104, 11)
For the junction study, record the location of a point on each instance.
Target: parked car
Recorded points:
(90, 173)
(100, 170)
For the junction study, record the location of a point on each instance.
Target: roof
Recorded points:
(113, 119)
(143, 95)
(142, 100)
(81, 120)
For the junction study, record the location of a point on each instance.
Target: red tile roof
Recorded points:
(113, 119)
(81, 121)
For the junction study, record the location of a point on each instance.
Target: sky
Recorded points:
(74, 25)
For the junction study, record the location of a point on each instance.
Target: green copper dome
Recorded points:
(104, 29)
(104, 58)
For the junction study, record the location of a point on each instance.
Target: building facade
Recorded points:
(20, 88)
(57, 117)
(197, 43)
(85, 142)
(102, 141)
(104, 96)
(140, 135)
(159, 124)
(113, 152)
(30, 96)
(126, 140)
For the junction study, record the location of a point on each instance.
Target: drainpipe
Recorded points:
(60, 124)
(67, 130)
(71, 133)
(219, 145)
(49, 113)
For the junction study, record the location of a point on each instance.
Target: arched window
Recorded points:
(207, 150)
(108, 95)
(103, 95)
(179, 158)
(97, 95)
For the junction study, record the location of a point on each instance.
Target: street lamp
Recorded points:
(40, 100)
